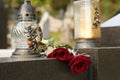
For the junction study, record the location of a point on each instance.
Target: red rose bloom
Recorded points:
(79, 63)
(62, 54)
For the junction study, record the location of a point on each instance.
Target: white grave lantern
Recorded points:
(26, 34)
(87, 22)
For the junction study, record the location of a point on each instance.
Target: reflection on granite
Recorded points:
(37, 69)
(6, 52)
(8, 60)
(110, 36)
(105, 64)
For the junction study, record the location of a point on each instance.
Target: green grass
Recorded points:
(56, 36)
(57, 39)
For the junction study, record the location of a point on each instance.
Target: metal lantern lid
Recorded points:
(26, 11)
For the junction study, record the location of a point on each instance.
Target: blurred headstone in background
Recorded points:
(55, 24)
(67, 28)
(3, 26)
(44, 23)
(112, 22)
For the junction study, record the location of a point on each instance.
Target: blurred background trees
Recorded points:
(52, 5)
(108, 7)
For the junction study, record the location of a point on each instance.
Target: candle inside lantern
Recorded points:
(87, 19)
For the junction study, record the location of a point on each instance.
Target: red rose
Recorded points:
(62, 54)
(79, 63)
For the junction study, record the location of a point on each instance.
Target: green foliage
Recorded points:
(19, 1)
(6, 1)
(56, 35)
(52, 5)
(58, 4)
(109, 8)
(37, 3)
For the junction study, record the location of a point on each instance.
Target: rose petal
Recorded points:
(62, 54)
(79, 64)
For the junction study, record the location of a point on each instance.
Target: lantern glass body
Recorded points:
(86, 18)
(18, 34)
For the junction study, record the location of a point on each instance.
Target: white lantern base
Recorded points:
(85, 44)
(24, 53)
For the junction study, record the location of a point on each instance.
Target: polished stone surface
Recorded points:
(105, 66)
(105, 62)
(37, 69)
(110, 36)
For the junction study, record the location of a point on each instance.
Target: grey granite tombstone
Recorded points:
(37, 69)
(110, 36)
(105, 62)
(105, 66)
